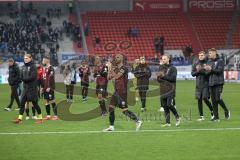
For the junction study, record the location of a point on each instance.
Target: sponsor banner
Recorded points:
(211, 5)
(3, 79)
(184, 76)
(238, 75)
(72, 57)
(231, 75)
(154, 5)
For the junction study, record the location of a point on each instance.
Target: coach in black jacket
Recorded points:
(215, 68)
(202, 77)
(143, 73)
(167, 78)
(14, 82)
(30, 93)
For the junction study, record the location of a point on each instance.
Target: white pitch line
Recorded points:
(127, 131)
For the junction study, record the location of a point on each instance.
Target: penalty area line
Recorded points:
(127, 131)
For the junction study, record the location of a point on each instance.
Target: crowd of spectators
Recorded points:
(54, 12)
(34, 33)
(73, 31)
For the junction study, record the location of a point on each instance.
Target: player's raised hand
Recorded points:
(160, 74)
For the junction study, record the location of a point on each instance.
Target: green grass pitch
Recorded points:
(71, 140)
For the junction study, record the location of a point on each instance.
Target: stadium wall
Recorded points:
(105, 5)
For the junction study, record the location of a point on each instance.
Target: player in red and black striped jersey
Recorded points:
(48, 88)
(100, 74)
(119, 74)
(84, 73)
(39, 77)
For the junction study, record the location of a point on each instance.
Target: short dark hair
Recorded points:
(10, 60)
(212, 49)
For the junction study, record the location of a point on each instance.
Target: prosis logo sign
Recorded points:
(212, 4)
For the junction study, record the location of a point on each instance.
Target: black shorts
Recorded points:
(49, 95)
(84, 85)
(101, 89)
(216, 92)
(119, 100)
(202, 93)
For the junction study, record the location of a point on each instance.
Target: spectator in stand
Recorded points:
(86, 29)
(98, 42)
(161, 44)
(155, 60)
(156, 44)
(70, 7)
(79, 41)
(133, 32)
(129, 32)
(189, 50)
(57, 47)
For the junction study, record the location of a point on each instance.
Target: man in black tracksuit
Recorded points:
(143, 73)
(202, 77)
(14, 82)
(29, 77)
(167, 78)
(215, 68)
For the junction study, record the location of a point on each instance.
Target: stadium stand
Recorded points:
(113, 27)
(236, 36)
(37, 32)
(212, 28)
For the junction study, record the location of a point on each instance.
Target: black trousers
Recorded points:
(39, 82)
(142, 94)
(14, 95)
(168, 104)
(69, 91)
(215, 92)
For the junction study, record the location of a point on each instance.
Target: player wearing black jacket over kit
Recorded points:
(143, 73)
(215, 69)
(14, 82)
(167, 78)
(29, 77)
(202, 90)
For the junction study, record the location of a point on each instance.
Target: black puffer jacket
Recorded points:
(202, 76)
(143, 73)
(14, 75)
(29, 78)
(216, 75)
(168, 81)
